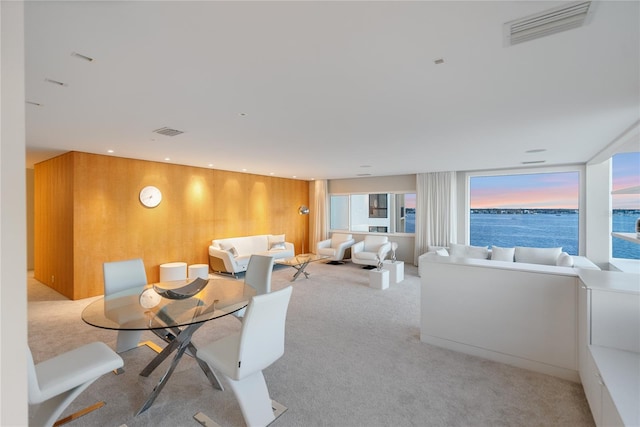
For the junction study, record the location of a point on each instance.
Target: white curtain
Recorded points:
(435, 210)
(318, 218)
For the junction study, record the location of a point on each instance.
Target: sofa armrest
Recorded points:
(220, 260)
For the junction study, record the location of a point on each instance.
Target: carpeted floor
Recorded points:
(353, 358)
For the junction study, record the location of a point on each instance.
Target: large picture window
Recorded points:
(373, 212)
(536, 210)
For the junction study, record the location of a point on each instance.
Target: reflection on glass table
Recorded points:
(300, 262)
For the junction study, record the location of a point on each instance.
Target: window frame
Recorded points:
(580, 169)
(391, 196)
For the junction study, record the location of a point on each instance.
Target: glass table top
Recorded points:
(301, 259)
(168, 304)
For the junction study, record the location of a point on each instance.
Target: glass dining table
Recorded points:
(173, 311)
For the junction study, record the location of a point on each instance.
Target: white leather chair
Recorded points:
(258, 276)
(367, 251)
(56, 382)
(335, 247)
(241, 357)
(120, 276)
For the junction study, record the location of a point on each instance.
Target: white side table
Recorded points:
(396, 270)
(199, 270)
(379, 279)
(173, 271)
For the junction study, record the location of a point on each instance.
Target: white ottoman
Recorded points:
(379, 279)
(173, 271)
(199, 270)
(396, 270)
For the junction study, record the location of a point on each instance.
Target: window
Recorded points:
(373, 213)
(625, 202)
(536, 210)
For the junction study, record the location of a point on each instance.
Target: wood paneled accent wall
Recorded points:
(87, 212)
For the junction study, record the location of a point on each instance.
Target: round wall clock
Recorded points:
(150, 196)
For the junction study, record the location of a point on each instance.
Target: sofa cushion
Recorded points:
(546, 256)
(564, 260)
(502, 254)
(442, 252)
(468, 251)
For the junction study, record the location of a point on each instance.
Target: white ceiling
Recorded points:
(327, 89)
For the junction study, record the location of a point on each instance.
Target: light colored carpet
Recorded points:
(353, 358)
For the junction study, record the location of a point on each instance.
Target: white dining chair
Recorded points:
(56, 382)
(243, 356)
(258, 276)
(119, 276)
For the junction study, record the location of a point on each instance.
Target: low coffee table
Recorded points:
(300, 262)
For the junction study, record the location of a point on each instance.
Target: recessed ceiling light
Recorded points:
(439, 61)
(533, 162)
(294, 176)
(109, 151)
(365, 166)
(81, 56)
(242, 114)
(55, 82)
(271, 173)
(167, 159)
(210, 165)
(536, 150)
(363, 174)
(244, 170)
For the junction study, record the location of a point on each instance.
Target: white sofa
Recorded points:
(519, 313)
(336, 247)
(232, 255)
(366, 252)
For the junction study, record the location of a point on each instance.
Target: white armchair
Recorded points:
(367, 251)
(335, 247)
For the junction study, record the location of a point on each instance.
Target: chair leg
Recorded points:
(48, 412)
(127, 340)
(253, 397)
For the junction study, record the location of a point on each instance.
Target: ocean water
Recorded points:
(545, 230)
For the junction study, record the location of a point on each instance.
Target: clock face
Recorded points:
(150, 196)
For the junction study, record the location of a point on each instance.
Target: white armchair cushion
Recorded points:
(373, 243)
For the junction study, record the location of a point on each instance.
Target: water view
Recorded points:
(545, 228)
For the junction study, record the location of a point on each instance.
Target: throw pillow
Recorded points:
(276, 238)
(545, 256)
(502, 254)
(442, 252)
(277, 246)
(457, 250)
(233, 251)
(468, 251)
(565, 260)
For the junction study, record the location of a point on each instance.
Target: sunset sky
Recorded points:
(552, 190)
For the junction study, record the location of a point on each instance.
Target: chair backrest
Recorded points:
(258, 274)
(262, 335)
(35, 396)
(372, 243)
(122, 275)
(338, 238)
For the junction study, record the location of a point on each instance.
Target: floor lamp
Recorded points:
(303, 210)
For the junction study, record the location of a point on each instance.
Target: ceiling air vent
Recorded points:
(566, 17)
(168, 131)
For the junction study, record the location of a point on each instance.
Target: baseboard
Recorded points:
(518, 362)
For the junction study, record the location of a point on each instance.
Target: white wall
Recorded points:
(13, 250)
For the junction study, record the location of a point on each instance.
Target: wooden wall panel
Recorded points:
(53, 223)
(109, 223)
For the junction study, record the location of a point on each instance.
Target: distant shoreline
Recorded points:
(534, 211)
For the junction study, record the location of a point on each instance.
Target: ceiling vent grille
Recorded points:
(552, 21)
(168, 131)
